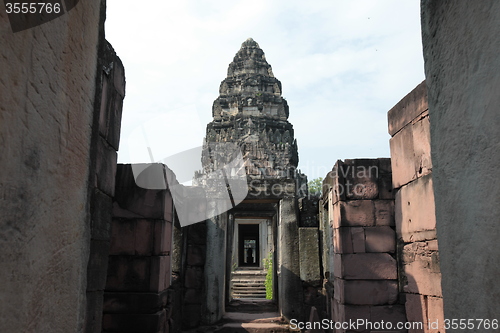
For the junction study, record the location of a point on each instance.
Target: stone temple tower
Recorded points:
(251, 113)
(261, 220)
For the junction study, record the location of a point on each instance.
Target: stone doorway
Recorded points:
(252, 243)
(248, 245)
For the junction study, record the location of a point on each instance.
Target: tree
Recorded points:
(315, 186)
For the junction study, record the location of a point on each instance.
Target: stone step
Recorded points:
(249, 280)
(245, 292)
(263, 322)
(253, 328)
(249, 290)
(249, 296)
(248, 285)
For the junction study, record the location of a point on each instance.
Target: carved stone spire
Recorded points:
(250, 107)
(250, 87)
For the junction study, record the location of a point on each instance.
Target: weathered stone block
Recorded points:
(143, 237)
(355, 312)
(162, 238)
(435, 314)
(339, 290)
(358, 240)
(336, 179)
(433, 245)
(409, 108)
(160, 273)
(111, 104)
(337, 265)
(342, 241)
(327, 184)
(402, 158)
(410, 152)
(127, 273)
(368, 266)
(193, 296)
(416, 311)
(384, 212)
(389, 314)
(309, 254)
(101, 215)
(371, 292)
(133, 302)
(114, 121)
(195, 255)
(105, 167)
(94, 312)
(194, 278)
(98, 265)
(357, 213)
(337, 311)
(380, 239)
(422, 145)
(366, 292)
(385, 188)
(334, 214)
(361, 179)
(104, 109)
(132, 323)
(147, 203)
(422, 271)
(148, 274)
(132, 237)
(415, 211)
(169, 207)
(119, 77)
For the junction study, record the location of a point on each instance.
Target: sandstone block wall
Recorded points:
(462, 68)
(358, 206)
(109, 95)
(420, 277)
(47, 84)
(137, 297)
(310, 256)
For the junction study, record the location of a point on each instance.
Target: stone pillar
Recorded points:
(462, 69)
(215, 268)
(409, 127)
(194, 277)
(289, 283)
(365, 278)
(104, 146)
(137, 296)
(47, 126)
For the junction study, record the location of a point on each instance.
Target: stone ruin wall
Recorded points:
(420, 275)
(54, 191)
(109, 95)
(138, 294)
(359, 243)
(461, 47)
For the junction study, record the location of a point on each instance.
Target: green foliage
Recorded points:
(268, 265)
(315, 186)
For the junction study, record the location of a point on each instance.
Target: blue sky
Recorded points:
(342, 65)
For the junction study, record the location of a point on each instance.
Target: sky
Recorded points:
(342, 64)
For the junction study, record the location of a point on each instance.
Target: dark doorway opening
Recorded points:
(249, 247)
